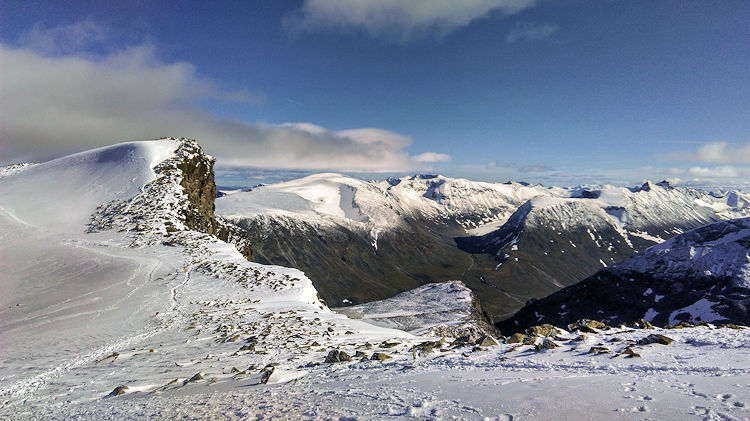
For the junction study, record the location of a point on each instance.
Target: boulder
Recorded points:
(545, 330)
(119, 390)
(266, 374)
(486, 341)
(656, 338)
(428, 346)
(630, 353)
(731, 326)
(519, 338)
(643, 324)
(586, 325)
(464, 340)
(336, 356)
(380, 356)
(546, 344)
(194, 379)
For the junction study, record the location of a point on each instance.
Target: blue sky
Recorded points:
(559, 92)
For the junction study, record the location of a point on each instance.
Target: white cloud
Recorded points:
(398, 20)
(723, 171)
(431, 157)
(530, 32)
(715, 152)
(54, 104)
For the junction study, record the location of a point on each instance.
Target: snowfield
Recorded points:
(106, 291)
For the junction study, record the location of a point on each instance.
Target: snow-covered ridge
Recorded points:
(14, 168)
(721, 249)
(702, 275)
(651, 212)
(61, 195)
(478, 207)
(382, 205)
(127, 292)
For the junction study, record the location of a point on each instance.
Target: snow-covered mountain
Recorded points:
(376, 206)
(701, 275)
(508, 242)
(125, 297)
(356, 232)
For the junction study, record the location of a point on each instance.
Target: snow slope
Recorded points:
(431, 309)
(703, 375)
(110, 297)
(61, 195)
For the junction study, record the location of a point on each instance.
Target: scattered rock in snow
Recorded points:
(543, 330)
(643, 324)
(519, 338)
(194, 379)
(266, 374)
(336, 356)
(630, 353)
(656, 338)
(380, 356)
(586, 325)
(486, 341)
(546, 344)
(119, 390)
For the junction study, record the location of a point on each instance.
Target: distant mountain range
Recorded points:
(361, 241)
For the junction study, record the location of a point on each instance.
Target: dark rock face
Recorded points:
(198, 182)
(624, 298)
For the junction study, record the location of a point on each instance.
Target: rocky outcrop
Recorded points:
(180, 198)
(196, 176)
(198, 184)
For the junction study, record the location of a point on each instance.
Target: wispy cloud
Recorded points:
(723, 171)
(716, 152)
(524, 31)
(56, 101)
(66, 39)
(397, 20)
